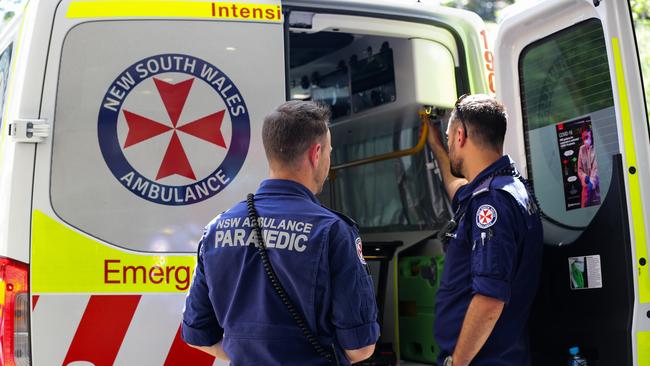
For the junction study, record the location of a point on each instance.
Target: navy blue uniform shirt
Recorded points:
(497, 252)
(317, 257)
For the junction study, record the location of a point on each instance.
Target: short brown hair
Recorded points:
(485, 118)
(292, 128)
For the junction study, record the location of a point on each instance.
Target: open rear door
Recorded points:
(568, 73)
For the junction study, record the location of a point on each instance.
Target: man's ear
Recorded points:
(459, 136)
(314, 154)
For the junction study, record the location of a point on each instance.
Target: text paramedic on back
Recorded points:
(233, 312)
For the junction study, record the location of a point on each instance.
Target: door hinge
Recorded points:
(29, 130)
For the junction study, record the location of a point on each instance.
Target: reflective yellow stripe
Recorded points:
(65, 261)
(180, 9)
(638, 218)
(643, 348)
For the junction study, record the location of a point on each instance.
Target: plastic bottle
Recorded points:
(576, 359)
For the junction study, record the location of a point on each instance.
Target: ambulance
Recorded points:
(128, 125)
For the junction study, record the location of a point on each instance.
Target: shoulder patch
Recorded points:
(343, 217)
(359, 246)
(486, 216)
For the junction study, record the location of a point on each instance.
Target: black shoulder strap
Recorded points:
(331, 357)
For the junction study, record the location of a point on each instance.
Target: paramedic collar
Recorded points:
(482, 182)
(285, 186)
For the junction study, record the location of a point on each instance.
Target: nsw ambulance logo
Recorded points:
(174, 129)
(486, 216)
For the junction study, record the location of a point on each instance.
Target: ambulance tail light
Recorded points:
(14, 313)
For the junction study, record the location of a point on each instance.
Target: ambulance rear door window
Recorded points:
(569, 121)
(157, 127)
(5, 68)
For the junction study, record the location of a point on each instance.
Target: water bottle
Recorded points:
(576, 359)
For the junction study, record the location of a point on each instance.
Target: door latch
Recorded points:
(29, 130)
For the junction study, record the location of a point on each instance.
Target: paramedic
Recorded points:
(232, 311)
(493, 256)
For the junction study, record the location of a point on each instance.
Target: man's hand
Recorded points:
(358, 355)
(215, 350)
(588, 183)
(434, 138)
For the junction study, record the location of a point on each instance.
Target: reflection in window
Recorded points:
(9, 9)
(356, 76)
(641, 16)
(388, 195)
(5, 65)
(569, 121)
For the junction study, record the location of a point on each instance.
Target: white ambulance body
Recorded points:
(128, 125)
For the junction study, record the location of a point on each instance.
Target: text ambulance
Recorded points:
(128, 125)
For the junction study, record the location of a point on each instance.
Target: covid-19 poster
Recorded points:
(578, 161)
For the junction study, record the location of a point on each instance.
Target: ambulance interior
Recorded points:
(376, 83)
(376, 77)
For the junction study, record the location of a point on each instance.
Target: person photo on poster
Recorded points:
(578, 160)
(578, 272)
(588, 169)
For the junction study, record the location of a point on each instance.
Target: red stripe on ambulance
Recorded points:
(180, 354)
(102, 329)
(34, 301)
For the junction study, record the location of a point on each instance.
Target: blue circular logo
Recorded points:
(181, 122)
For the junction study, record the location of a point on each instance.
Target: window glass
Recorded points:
(153, 135)
(368, 81)
(569, 121)
(641, 17)
(392, 194)
(5, 66)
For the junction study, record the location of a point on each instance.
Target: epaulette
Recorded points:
(484, 187)
(343, 216)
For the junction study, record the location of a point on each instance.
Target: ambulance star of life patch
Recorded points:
(486, 216)
(174, 129)
(359, 246)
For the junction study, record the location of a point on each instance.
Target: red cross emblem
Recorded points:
(486, 216)
(174, 96)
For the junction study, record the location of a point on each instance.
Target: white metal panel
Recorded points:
(23, 96)
(432, 61)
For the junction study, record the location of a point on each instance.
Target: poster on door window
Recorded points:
(578, 161)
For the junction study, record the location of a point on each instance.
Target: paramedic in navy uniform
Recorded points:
(232, 311)
(493, 259)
